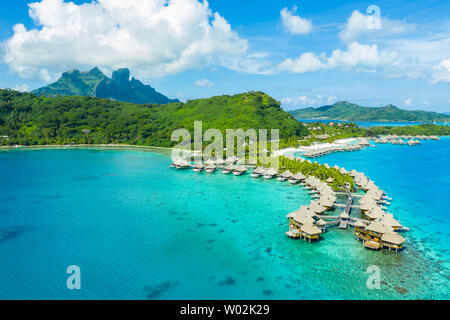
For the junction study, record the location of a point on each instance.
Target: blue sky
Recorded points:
(303, 53)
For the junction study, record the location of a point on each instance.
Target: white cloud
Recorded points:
(22, 88)
(203, 83)
(306, 62)
(306, 101)
(153, 38)
(357, 27)
(441, 72)
(295, 24)
(357, 57)
(408, 102)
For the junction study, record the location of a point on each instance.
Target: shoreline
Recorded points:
(315, 147)
(387, 121)
(82, 146)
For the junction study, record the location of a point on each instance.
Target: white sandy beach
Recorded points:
(317, 146)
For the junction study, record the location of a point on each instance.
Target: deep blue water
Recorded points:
(366, 124)
(139, 230)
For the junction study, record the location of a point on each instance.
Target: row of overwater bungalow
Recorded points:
(324, 151)
(378, 231)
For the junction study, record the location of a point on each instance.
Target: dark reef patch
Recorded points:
(155, 292)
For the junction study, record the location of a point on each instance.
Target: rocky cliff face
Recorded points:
(94, 83)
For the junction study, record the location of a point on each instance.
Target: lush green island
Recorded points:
(353, 112)
(27, 119)
(94, 83)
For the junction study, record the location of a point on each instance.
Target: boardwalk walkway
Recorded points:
(344, 222)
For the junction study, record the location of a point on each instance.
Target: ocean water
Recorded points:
(139, 230)
(367, 124)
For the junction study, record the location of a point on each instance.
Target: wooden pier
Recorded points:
(344, 221)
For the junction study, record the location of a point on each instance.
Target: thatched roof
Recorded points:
(241, 169)
(344, 215)
(360, 224)
(321, 222)
(330, 180)
(326, 202)
(287, 174)
(210, 166)
(379, 228)
(393, 238)
(230, 167)
(299, 176)
(271, 172)
(310, 229)
(199, 166)
(258, 170)
(317, 208)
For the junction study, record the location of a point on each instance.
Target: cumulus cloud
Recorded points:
(357, 27)
(154, 38)
(203, 83)
(357, 57)
(295, 24)
(306, 62)
(441, 72)
(22, 88)
(408, 102)
(309, 101)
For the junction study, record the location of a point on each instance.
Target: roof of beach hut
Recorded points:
(310, 229)
(316, 207)
(259, 170)
(199, 166)
(299, 176)
(209, 162)
(321, 222)
(343, 171)
(287, 174)
(392, 238)
(230, 167)
(303, 219)
(241, 169)
(330, 180)
(379, 228)
(210, 166)
(220, 161)
(271, 172)
(360, 224)
(323, 201)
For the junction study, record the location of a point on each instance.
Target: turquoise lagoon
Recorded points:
(139, 230)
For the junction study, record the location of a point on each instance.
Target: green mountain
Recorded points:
(32, 120)
(353, 112)
(94, 83)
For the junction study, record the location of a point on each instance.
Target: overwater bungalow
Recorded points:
(310, 232)
(372, 235)
(240, 171)
(270, 173)
(296, 178)
(375, 213)
(181, 164)
(228, 169)
(210, 168)
(392, 241)
(285, 175)
(326, 202)
(317, 208)
(220, 162)
(198, 167)
(322, 225)
(258, 172)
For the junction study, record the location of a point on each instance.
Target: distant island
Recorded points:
(95, 83)
(352, 112)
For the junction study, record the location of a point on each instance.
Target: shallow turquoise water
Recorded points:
(139, 230)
